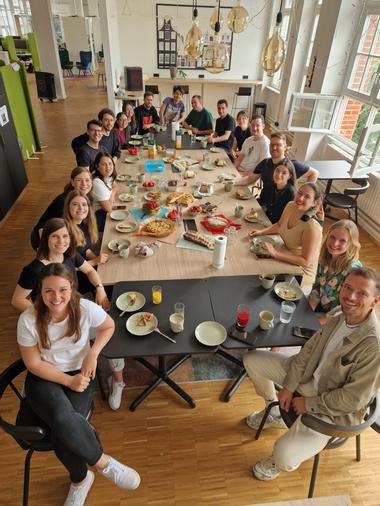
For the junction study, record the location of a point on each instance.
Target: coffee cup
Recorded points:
(239, 211)
(204, 144)
(267, 280)
(124, 251)
(133, 188)
(176, 321)
(141, 177)
(228, 186)
(266, 320)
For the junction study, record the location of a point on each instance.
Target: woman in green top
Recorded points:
(339, 254)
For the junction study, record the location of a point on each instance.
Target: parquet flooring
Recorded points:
(185, 457)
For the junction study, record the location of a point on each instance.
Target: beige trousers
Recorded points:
(299, 443)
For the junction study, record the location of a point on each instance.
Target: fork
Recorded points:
(164, 335)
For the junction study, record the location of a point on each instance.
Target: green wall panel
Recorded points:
(19, 101)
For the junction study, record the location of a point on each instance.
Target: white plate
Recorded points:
(134, 143)
(246, 196)
(210, 333)
(217, 150)
(122, 302)
(126, 197)
(208, 166)
(119, 215)
(131, 159)
(258, 241)
(136, 136)
(138, 330)
(150, 199)
(252, 220)
(115, 244)
(185, 163)
(123, 177)
(295, 292)
(126, 227)
(228, 176)
(200, 138)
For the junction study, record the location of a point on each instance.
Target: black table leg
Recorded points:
(242, 375)
(162, 374)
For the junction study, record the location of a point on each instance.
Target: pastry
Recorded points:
(157, 228)
(220, 163)
(181, 198)
(144, 319)
(217, 222)
(199, 238)
(131, 298)
(252, 215)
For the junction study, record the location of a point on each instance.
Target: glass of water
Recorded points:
(287, 310)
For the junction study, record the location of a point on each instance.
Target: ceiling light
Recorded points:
(238, 18)
(273, 53)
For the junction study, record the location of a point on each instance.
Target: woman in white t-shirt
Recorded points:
(103, 188)
(53, 336)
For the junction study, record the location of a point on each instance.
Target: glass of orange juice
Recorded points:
(157, 294)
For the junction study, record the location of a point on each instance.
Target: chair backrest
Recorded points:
(153, 88)
(22, 434)
(85, 58)
(245, 92)
(363, 185)
(101, 68)
(185, 88)
(64, 57)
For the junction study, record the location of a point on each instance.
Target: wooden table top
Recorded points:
(170, 262)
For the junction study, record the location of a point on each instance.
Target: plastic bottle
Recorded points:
(178, 140)
(151, 149)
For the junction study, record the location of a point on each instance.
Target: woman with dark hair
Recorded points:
(57, 246)
(284, 177)
(300, 227)
(172, 108)
(53, 337)
(103, 188)
(80, 180)
(80, 217)
(125, 125)
(241, 133)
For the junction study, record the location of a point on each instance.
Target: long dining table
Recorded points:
(170, 261)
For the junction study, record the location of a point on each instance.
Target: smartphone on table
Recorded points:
(303, 332)
(190, 224)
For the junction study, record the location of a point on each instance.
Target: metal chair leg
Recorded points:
(25, 497)
(264, 418)
(358, 448)
(313, 476)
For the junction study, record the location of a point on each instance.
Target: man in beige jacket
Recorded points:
(337, 373)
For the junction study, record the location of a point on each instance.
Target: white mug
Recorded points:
(267, 280)
(176, 321)
(266, 320)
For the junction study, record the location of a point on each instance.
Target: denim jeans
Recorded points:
(75, 441)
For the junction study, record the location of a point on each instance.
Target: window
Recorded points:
(15, 14)
(309, 68)
(312, 112)
(275, 81)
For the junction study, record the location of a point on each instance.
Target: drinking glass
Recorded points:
(157, 294)
(179, 307)
(242, 315)
(287, 310)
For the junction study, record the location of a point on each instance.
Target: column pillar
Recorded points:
(109, 29)
(46, 42)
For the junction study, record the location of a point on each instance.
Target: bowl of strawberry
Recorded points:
(194, 210)
(148, 185)
(151, 207)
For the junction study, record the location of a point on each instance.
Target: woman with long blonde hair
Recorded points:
(339, 254)
(80, 216)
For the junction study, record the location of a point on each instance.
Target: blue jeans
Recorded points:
(75, 441)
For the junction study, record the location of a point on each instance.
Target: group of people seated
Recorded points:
(334, 376)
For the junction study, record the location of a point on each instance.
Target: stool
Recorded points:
(246, 93)
(101, 73)
(260, 108)
(153, 88)
(185, 90)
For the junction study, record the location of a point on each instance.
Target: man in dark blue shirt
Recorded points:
(266, 168)
(224, 127)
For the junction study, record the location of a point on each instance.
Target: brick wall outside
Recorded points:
(353, 107)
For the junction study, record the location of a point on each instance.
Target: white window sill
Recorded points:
(273, 90)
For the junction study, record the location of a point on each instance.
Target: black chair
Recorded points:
(348, 199)
(29, 431)
(242, 94)
(338, 433)
(66, 64)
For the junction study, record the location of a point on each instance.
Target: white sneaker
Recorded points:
(122, 476)
(77, 495)
(254, 419)
(266, 469)
(116, 391)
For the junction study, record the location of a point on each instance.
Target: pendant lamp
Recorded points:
(216, 16)
(273, 53)
(194, 38)
(216, 55)
(238, 18)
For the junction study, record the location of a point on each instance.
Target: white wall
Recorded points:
(137, 32)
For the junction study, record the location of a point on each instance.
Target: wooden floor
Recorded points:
(185, 457)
